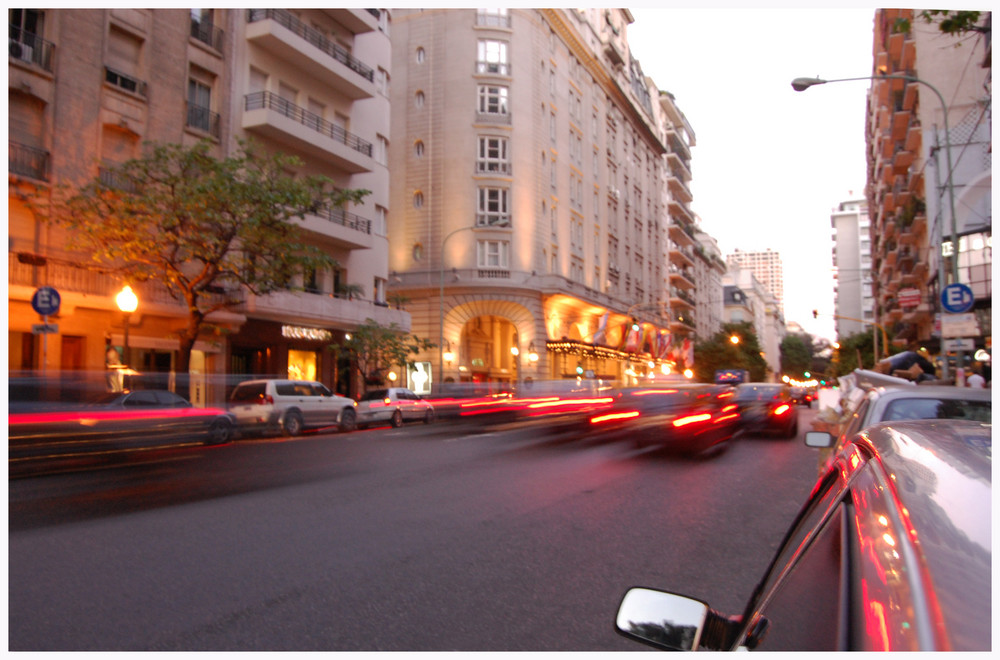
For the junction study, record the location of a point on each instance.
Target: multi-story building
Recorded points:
(929, 174)
(766, 267)
(88, 87)
(539, 194)
(748, 300)
(853, 302)
(709, 269)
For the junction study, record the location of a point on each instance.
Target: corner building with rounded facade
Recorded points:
(539, 197)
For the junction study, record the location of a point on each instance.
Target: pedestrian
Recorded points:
(976, 380)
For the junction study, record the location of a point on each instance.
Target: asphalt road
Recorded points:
(424, 538)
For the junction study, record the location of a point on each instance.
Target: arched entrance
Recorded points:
(488, 351)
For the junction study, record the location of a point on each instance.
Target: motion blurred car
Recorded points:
(891, 552)
(767, 408)
(803, 395)
(890, 404)
(688, 418)
(289, 407)
(393, 405)
(111, 423)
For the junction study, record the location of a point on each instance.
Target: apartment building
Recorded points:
(539, 194)
(748, 300)
(766, 267)
(853, 303)
(87, 89)
(709, 269)
(929, 176)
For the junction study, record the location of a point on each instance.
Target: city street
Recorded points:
(421, 538)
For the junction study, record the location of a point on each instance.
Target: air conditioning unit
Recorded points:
(21, 51)
(615, 193)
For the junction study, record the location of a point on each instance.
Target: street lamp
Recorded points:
(802, 84)
(127, 303)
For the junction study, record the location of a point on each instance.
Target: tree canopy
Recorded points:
(203, 227)
(719, 352)
(376, 348)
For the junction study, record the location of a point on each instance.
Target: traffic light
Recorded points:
(815, 314)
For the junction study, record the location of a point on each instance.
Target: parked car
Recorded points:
(289, 407)
(393, 405)
(114, 423)
(767, 408)
(891, 552)
(868, 406)
(688, 418)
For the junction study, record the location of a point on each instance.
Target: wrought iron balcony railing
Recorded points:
(28, 161)
(124, 81)
(314, 37)
(207, 33)
(271, 101)
(203, 119)
(30, 48)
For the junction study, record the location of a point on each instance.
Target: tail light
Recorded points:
(266, 400)
(691, 419)
(782, 409)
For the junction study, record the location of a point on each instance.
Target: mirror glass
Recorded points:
(819, 439)
(665, 620)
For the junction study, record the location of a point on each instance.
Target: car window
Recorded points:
(142, 400)
(303, 389)
(374, 395)
(171, 400)
(757, 393)
(319, 389)
(286, 389)
(247, 393)
(899, 409)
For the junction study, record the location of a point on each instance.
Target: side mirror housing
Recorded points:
(819, 439)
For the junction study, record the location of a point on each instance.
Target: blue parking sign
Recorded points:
(45, 301)
(957, 298)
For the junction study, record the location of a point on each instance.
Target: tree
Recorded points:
(859, 344)
(199, 225)
(796, 355)
(949, 22)
(374, 349)
(719, 352)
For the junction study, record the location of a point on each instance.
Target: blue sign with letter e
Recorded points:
(957, 298)
(45, 301)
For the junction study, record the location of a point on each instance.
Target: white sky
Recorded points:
(770, 164)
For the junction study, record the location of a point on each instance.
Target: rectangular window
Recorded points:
(492, 208)
(493, 254)
(493, 99)
(492, 156)
(492, 57)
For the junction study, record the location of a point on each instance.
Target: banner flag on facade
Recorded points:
(601, 336)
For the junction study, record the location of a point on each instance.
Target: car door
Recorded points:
(327, 405)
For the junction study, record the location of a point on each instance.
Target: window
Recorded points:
(383, 82)
(492, 156)
(418, 149)
(380, 220)
(418, 99)
(492, 57)
(379, 290)
(381, 150)
(199, 113)
(418, 200)
(421, 55)
(493, 208)
(493, 99)
(493, 254)
(493, 18)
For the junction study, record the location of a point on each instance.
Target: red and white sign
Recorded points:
(908, 297)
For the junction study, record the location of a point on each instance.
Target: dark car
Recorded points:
(803, 396)
(688, 418)
(767, 408)
(115, 422)
(891, 552)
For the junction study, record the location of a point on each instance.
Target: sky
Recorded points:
(769, 164)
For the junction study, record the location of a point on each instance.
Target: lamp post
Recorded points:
(802, 84)
(127, 302)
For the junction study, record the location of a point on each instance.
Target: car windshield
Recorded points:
(250, 392)
(925, 408)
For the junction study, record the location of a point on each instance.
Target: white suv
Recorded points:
(290, 406)
(394, 405)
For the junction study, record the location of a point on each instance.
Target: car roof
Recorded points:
(942, 470)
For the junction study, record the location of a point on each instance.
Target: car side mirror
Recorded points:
(660, 619)
(819, 439)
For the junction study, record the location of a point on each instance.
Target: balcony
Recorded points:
(345, 229)
(204, 120)
(494, 167)
(678, 167)
(484, 19)
(27, 161)
(679, 190)
(493, 68)
(680, 210)
(678, 145)
(279, 119)
(358, 21)
(679, 235)
(500, 118)
(323, 310)
(207, 34)
(280, 33)
(30, 49)
(680, 256)
(684, 277)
